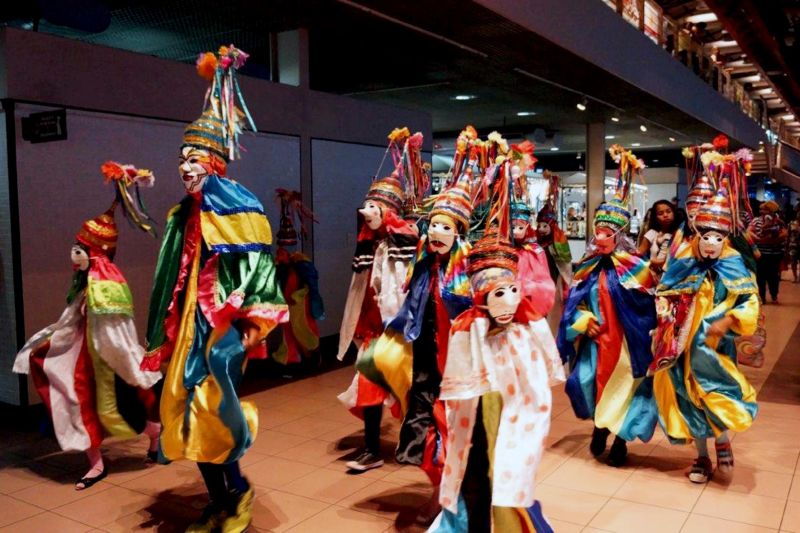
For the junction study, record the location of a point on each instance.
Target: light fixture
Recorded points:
(643, 128)
(578, 155)
(701, 17)
(554, 149)
(609, 137)
(615, 117)
(582, 104)
(760, 142)
(672, 139)
(463, 97)
(788, 117)
(636, 145)
(655, 160)
(526, 113)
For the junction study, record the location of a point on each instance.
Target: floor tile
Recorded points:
(341, 520)
(313, 452)
(628, 517)
(104, 507)
(327, 486)
(581, 475)
(564, 527)
(750, 480)
(791, 517)
(680, 495)
(54, 493)
(18, 477)
(45, 523)
(739, 507)
(274, 472)
(309, 427)
(280, 511)
(387, 500)
(14, 510)
(569, 505)
(272, 442)
(794, 493)
(705, 524)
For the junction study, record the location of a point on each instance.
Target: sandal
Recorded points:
(701, 470)
(724, 457)
(89, 481)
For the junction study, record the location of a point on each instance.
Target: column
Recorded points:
(595, 171)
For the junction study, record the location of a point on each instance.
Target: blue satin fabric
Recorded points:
(687, 274)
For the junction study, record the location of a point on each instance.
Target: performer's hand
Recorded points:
(720, 327)
(249, 333)
(592, 328)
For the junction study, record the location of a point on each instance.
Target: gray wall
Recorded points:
(132, 108)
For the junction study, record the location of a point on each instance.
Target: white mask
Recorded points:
(79, 257)
(441, 234)
(372, 215)
(502, 302)
(543, 228)
(711, 244)
(520, 229)
(193, 172)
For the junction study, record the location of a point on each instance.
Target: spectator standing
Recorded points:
(770, 234)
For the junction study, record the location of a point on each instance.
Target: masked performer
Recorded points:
(413, 350)
(533, 270)
(215, 298)
(553, 241)
(86, 366)
(609, 316)
(298, 278)
(714, 299)
(501, 361)
(385, 248)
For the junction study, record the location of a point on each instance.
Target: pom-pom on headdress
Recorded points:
(126, 178)
(221, 123)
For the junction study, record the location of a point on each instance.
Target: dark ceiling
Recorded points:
(399, 53)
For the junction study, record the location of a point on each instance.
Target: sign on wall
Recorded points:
(46, 126)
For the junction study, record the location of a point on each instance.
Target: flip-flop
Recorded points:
(89, 481)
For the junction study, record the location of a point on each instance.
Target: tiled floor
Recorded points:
(297, 465)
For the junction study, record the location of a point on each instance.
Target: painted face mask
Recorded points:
(441, 234)
(79, 257)
(605, 239)
(194, 165)
(372, 215)
(502, 302)
(520, 229)
(711, 243)
(543, 229)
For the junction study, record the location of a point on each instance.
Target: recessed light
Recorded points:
(643, 128)
(526, 113)
(672, 139)
(636, 144)
(462, 97)
(655, 160)
(554, 149)
(610, 137)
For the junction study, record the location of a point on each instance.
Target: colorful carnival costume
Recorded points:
(413, 350)
(553, 241)
(502, 360)
(86, 366)
(384, 250)
(215, 298)
(533, 271)
(713, 299)
(605, 331)
(298, 278)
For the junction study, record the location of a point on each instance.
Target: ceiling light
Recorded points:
(788, 117)
(526, 113)
(462, 97)
(702, 17)
(554, 149)
(768, 90)
(760, 142)
(615, 119)
(608, 137)
(655, 160)
(582, 104)
(579, 155)
(643, 128)
(672, 139)
(635, 145)
(749, 79)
